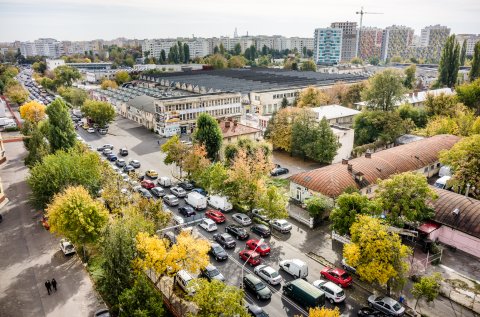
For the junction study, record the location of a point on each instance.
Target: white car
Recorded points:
(67, 247)
(333, 292)
(242, 219)
(91, 130)
(281, 225)
(268, 273)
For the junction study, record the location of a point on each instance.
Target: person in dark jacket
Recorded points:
(48, 285)
(54, 284)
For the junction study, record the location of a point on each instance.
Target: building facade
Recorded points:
(396, 40)
(327, 46)
(336, 115)
(42, 47)
(370, 43)
(349, 39)
(471, 40)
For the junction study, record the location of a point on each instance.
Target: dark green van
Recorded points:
(304, 293)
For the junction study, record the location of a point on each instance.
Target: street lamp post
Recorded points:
(260, 242)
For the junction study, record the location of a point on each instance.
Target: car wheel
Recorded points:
(370, 304)
(258, 297)
(331, 300)
(216, 258)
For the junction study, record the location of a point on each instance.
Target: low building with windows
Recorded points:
(336, 115)
(140, 109)
(363, 173)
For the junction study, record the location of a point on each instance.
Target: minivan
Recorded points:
(185, 281)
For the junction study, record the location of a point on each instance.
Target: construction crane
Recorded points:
(361, 12)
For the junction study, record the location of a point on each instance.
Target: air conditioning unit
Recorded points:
(456, 212)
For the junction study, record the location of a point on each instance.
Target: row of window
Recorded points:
(209, 103)
(286, 95)
(214, 113)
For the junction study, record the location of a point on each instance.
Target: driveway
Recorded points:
(30, 255)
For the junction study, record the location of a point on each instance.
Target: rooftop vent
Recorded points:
(456, 212)
(344, 161)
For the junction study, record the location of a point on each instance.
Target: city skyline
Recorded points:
(77, 20)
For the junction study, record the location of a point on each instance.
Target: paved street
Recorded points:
(30, 255)
(142, 145)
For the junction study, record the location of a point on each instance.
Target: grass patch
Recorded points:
(279, 182)
(94, 267)
(464, 285)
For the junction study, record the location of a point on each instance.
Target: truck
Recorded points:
(196, 200)
(220, 202)
(304, 293)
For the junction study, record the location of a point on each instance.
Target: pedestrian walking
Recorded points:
(48, 285)
(54, 284)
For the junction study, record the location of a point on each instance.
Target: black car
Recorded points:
(256, 311)
(212, 273)
(226, 240)
(370, 312)
(201, 191)
(279, 171)
(258, 213)
(185, 185)
(237, 231)
(187, 211)
(254, 284)
(261, 230)
(123, 152)
(218, 252)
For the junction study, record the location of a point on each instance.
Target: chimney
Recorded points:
(230, 119)
(235, 123)
(344, 161)
(349, 167)
(368, 154)
(227, 124)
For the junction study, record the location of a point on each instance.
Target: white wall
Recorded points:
(345, 137)
(460, 240)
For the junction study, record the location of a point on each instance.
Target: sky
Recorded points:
(108, 19)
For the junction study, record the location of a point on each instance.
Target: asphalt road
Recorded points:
(143, 145)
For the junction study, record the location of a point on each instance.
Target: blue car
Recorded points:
(112, 157)
(201, 191)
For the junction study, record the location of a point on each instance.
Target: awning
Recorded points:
(428, 227)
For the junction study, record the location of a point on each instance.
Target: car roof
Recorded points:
(208, 220)
(253, 278)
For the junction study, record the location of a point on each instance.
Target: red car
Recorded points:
(148, 184)
(253, 258)
(263, 249)
(215, 215)
(337, 276)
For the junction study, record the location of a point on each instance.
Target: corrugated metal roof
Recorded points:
(466, 219)
(333, 179)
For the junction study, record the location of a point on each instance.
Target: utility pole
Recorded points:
(361, 12)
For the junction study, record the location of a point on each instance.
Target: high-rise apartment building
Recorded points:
(327, 46)
(471, 39)
(396, 40)
(42, 47)
(370, 44)
(349, 39)
(432, 40)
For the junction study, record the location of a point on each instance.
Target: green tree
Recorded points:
(309, 66)
(216, 50)
(236, 62)
(208, 134)
(39, 67)
(274, 203)
(475, 69)
(311, 97)
(353, 94)
(222, 49)
(378, 255)
(248, 145)
(405, 197)
(303, 133)
(37, 148)
(66, 75)
(317, 206)
(175, 151)
(443, 104)
(214, 178)
(237, 49)
(463, 158)
(61, 133)
(384, 90)
(348, 207)
(141, 300)
(417, 115)
(229, 303)
(74, 214)
(356, 61)
(428, 287)
(449, 63)
(186, 53)
(284, 103)
(122, 77)
(181, 56)
(463, 53)
(325, 145)
(163, 57)
(74, 96)
(63, 169)
(100, 112)
(217, 61)
(469, 95)
(409, 80)
(16, 93)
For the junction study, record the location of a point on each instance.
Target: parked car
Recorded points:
(102, 313)
(186, 282)
(196, 200)
(187, 211)
(304, 293)
(258, 213)
(333, 292)
(112, 157)
(105, 146)
(238, 232)
(251, 257)
(269, 274)
(120, 163)
(152, 174)
(369, 312)
(185, 185)
(148, 184)
(164, 181)
(220, 202)
(128, 168)
(102, 131)
(67, 247)
(261, 230)
(208, 224)
(201, 191)
(348, 267)
(123, 152)
(279, 171)
(170, 200)
(215, 215)
(91, 130)
(225, 240)
(281, 225)
(145, 193)
(386, 305)
(158, 191)
(255, 311)
(263, 249)
(337, 276)
(210, 272)
(178, 191)
(295, 267)
(170, 237)
(134, 163)
(106, 152)
(254, 284)
(242, 219)
(218, 252)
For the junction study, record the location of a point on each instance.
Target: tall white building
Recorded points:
(396, 40)
(434, 35)
(198, 47)
(471, 39)
(42, 47)
(349, 39)
(327, 47)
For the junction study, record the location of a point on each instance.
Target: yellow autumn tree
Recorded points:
(195, 161)
(33, 111)
(323, 312)
(106, 83)
(312, 97)
(281, 130)
(377, 254)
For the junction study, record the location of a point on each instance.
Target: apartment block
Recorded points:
(370, 44)
(396, 40)
(42, 47)
(471, 39)
(349, 39)
(327, 46)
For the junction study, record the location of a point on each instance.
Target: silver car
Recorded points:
(269, 274)
(281, 225)
(242, 219)
(386, 305)
(170, 200)
(178, 191)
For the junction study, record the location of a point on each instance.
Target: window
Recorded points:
(369, 190)
(432, 167)
(438, 165)
(425, 170)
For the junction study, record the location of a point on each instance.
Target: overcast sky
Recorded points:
(108, 19)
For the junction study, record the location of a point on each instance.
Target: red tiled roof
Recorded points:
(333, 179)
(236, 130)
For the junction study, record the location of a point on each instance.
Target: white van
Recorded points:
(442, 182)
(196, 200)
(164, 181)
(208, 224)
(445, 171)
(295, 267)
(185, 281)
(219, 202)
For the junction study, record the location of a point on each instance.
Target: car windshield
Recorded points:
(228, 238)
(263, 246)
(214, 272)
(397, 307)
(274, 274)
(69, 247)
(217, 249)
(259, 286)
(340, 294)
(344, 276)
(241, 230)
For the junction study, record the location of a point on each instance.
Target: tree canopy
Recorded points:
(74, 96)
(100, 112)
(66, 75)
(311, 97)
(208, 134)
(122, 77)
(469, 95)
(61, 133)
(33, 111)
(475, 69)
(449, 63)
(384, 90)
(428, 287)
(107, 83)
